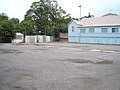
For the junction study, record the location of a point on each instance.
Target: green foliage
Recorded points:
(44, 17)
(26, 27)
(7, 31)
(3, 16)
(7, 28)
(15, 21)
(48, 17)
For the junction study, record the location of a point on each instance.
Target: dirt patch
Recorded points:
(79, 61)
(9, 51)
(104, 62)
(17, 87)
(43, 45)
(42, 49)
(82, 61)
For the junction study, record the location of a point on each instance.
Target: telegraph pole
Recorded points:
(80, 22)
(80, 11)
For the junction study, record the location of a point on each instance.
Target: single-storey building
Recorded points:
(99, 30)
(18, 38)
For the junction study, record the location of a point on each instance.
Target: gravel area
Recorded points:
(59, 66)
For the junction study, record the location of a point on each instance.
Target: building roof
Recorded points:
(76, 21)
(110, 14)
(106, 20)
(19, 34)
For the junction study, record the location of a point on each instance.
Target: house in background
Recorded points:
(99, 30)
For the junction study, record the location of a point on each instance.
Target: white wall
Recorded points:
(30, 39)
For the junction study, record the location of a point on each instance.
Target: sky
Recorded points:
(18, 8)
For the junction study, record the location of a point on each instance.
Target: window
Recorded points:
(83, 30)
(115, 30)
(72, 28)
(104, 30)
(91, 30)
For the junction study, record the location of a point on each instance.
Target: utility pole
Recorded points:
(80, 22)
(80, 10)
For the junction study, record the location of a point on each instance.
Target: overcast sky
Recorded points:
(18, 8)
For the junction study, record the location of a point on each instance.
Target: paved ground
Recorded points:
(59, 66)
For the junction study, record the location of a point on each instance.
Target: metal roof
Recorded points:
(106, 20)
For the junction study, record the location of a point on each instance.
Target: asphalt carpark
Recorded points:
(59, 66)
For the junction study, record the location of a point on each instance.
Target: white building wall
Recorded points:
(30, 39)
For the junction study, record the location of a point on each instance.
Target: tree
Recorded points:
(3, 16)
(7, 31)
(48, 17)
(15, 20)
(89, 16)
(16, 24)
(26, 27)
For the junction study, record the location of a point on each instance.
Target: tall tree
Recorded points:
(48, 17)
